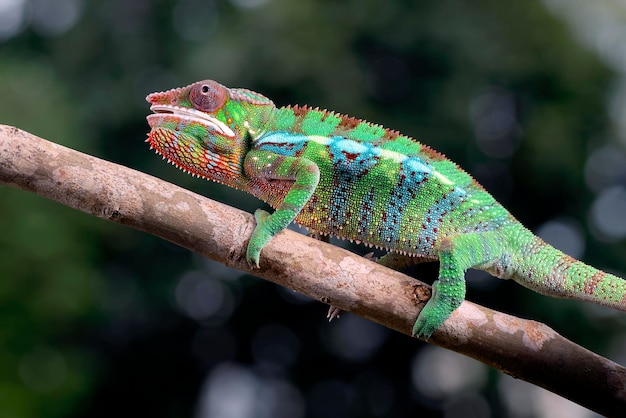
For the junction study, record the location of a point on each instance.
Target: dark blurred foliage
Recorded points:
(97, 320)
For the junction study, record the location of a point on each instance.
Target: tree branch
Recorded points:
(525, 349)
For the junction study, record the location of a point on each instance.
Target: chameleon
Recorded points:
(341, 176)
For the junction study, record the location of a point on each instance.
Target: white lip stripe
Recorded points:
(194, 115)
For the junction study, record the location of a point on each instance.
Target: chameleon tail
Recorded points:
(549, 271)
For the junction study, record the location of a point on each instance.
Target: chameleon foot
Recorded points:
(444, 300)
(333, 312)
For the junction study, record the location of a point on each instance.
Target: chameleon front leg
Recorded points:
(268, 166)
(456, 255)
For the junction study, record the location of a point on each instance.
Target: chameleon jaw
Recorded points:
(187, 114)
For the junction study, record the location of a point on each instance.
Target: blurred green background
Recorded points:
(97, 320)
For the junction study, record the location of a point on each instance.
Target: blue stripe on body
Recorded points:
(413, 172)
(352, 161)
(434, 217)
(366, 212)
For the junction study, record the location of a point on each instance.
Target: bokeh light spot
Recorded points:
(606, 166)
(233, 391)
(438, 373)
(355, 338)
(567, 236)
(202, 298)
(494, 117)
(523, 399)
(55, 17)
(12, 17)
(249, 4)
(607, 214)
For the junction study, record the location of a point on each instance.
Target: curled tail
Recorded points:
(549, 271)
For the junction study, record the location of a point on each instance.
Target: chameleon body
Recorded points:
(346, 177)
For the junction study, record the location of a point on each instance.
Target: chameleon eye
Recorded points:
(207, 96)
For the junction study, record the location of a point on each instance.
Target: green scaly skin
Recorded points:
(342, 176)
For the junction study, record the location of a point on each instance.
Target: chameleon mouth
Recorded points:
(161, 111)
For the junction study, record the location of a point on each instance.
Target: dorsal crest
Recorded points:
(333, 123)
(249, 96)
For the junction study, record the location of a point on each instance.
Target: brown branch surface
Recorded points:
(525, 349)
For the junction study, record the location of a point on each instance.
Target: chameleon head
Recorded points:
(203, 128)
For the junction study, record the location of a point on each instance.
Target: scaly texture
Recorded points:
(346, 177)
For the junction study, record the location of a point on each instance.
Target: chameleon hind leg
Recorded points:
(456, 255)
